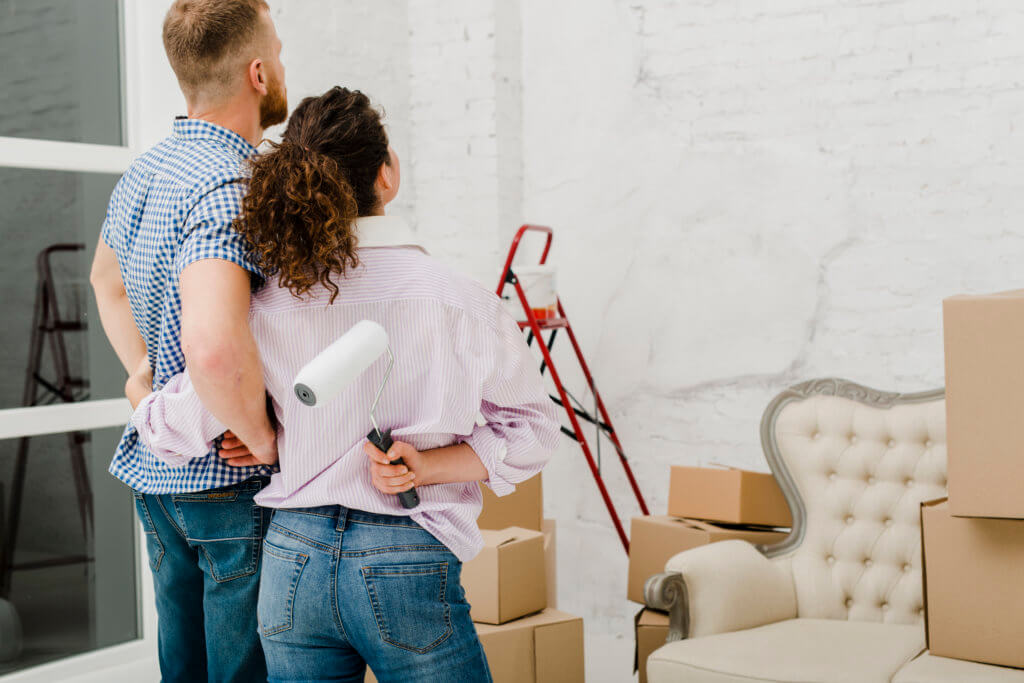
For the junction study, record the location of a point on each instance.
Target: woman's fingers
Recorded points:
(389, 471)
(375, 453)
(394, 484)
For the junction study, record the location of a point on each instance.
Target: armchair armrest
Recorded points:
(721, 587)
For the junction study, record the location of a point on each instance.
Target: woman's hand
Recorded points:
(140, 383)
(394, 479)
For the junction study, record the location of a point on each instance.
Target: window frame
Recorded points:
(137, 659)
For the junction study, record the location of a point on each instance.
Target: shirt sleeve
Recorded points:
(108, 229)
(210, 232)
(174, 424)
(521, 427)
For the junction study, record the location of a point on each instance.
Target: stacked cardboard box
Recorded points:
(511, 589)
(705, 505)
(651, 630)
(973, 543)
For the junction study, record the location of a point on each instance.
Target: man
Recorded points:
(172, 279)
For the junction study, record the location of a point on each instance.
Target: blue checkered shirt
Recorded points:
(175, 206)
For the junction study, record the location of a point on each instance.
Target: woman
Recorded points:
(349, 576)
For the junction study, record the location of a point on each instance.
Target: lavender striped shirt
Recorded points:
(459, 356)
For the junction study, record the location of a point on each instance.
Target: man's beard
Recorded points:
(274, 105)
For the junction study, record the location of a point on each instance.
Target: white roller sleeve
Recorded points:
(335, 367)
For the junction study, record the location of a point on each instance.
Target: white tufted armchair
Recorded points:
(840, 600)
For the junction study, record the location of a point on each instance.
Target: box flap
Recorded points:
(696, 523)
(498, 537)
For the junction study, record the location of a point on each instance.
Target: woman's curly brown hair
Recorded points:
(305, 194)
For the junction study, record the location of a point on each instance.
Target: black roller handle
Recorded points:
(410, 498)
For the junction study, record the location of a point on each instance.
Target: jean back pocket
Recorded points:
(226, 527)
(409, 604)
(279, 581)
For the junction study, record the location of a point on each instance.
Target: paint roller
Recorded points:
(337, 366)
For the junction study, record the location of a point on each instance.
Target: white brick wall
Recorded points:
(465, 156)
(752, 194)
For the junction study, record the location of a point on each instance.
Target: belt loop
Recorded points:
(342, 519)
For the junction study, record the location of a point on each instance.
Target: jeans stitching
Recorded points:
(154, 563)
(171, 519)
(299, 559)
(356, 519)
(300, 511)
(303, 539)
(336, 567)
(393, 548)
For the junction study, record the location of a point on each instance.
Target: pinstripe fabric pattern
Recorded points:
(458, 354)
(174, 206)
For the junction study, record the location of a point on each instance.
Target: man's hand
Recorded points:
(237, 454)
(394, 479)
(140, 383)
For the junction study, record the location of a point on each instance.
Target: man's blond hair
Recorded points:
(209, 42)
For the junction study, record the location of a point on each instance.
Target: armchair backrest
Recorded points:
(855, 464)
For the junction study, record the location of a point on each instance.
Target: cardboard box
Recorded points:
(551, 561)
(984, 392)
(651, 629)
(543, 648)
(524, 507)
(727, 495)
(654, 539)
(973, 592)
(508, 578)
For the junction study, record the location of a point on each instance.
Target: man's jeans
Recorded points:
(344, 588)
(204, 550)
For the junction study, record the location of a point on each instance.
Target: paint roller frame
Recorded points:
(381, 439)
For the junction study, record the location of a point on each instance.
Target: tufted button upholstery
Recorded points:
(862, 518)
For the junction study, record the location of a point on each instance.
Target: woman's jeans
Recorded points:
(343, 588)
(204, 550)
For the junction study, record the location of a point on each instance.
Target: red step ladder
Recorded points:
(573, 408)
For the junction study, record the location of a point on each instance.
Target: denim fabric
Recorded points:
(204, 551)
(344, 588)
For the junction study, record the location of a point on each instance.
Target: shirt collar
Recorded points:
(386, 231)
(197, 129)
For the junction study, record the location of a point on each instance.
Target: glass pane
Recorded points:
(61, 76)
(50, 223)
(75, 588)
(72, 578)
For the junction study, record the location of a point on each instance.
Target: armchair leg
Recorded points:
(667, 592)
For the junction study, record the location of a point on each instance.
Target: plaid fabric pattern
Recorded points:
(174, 206)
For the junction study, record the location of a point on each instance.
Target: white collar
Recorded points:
(386, 231)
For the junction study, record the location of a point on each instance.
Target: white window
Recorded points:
(75, 576)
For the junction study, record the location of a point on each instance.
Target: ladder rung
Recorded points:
(64, 326)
